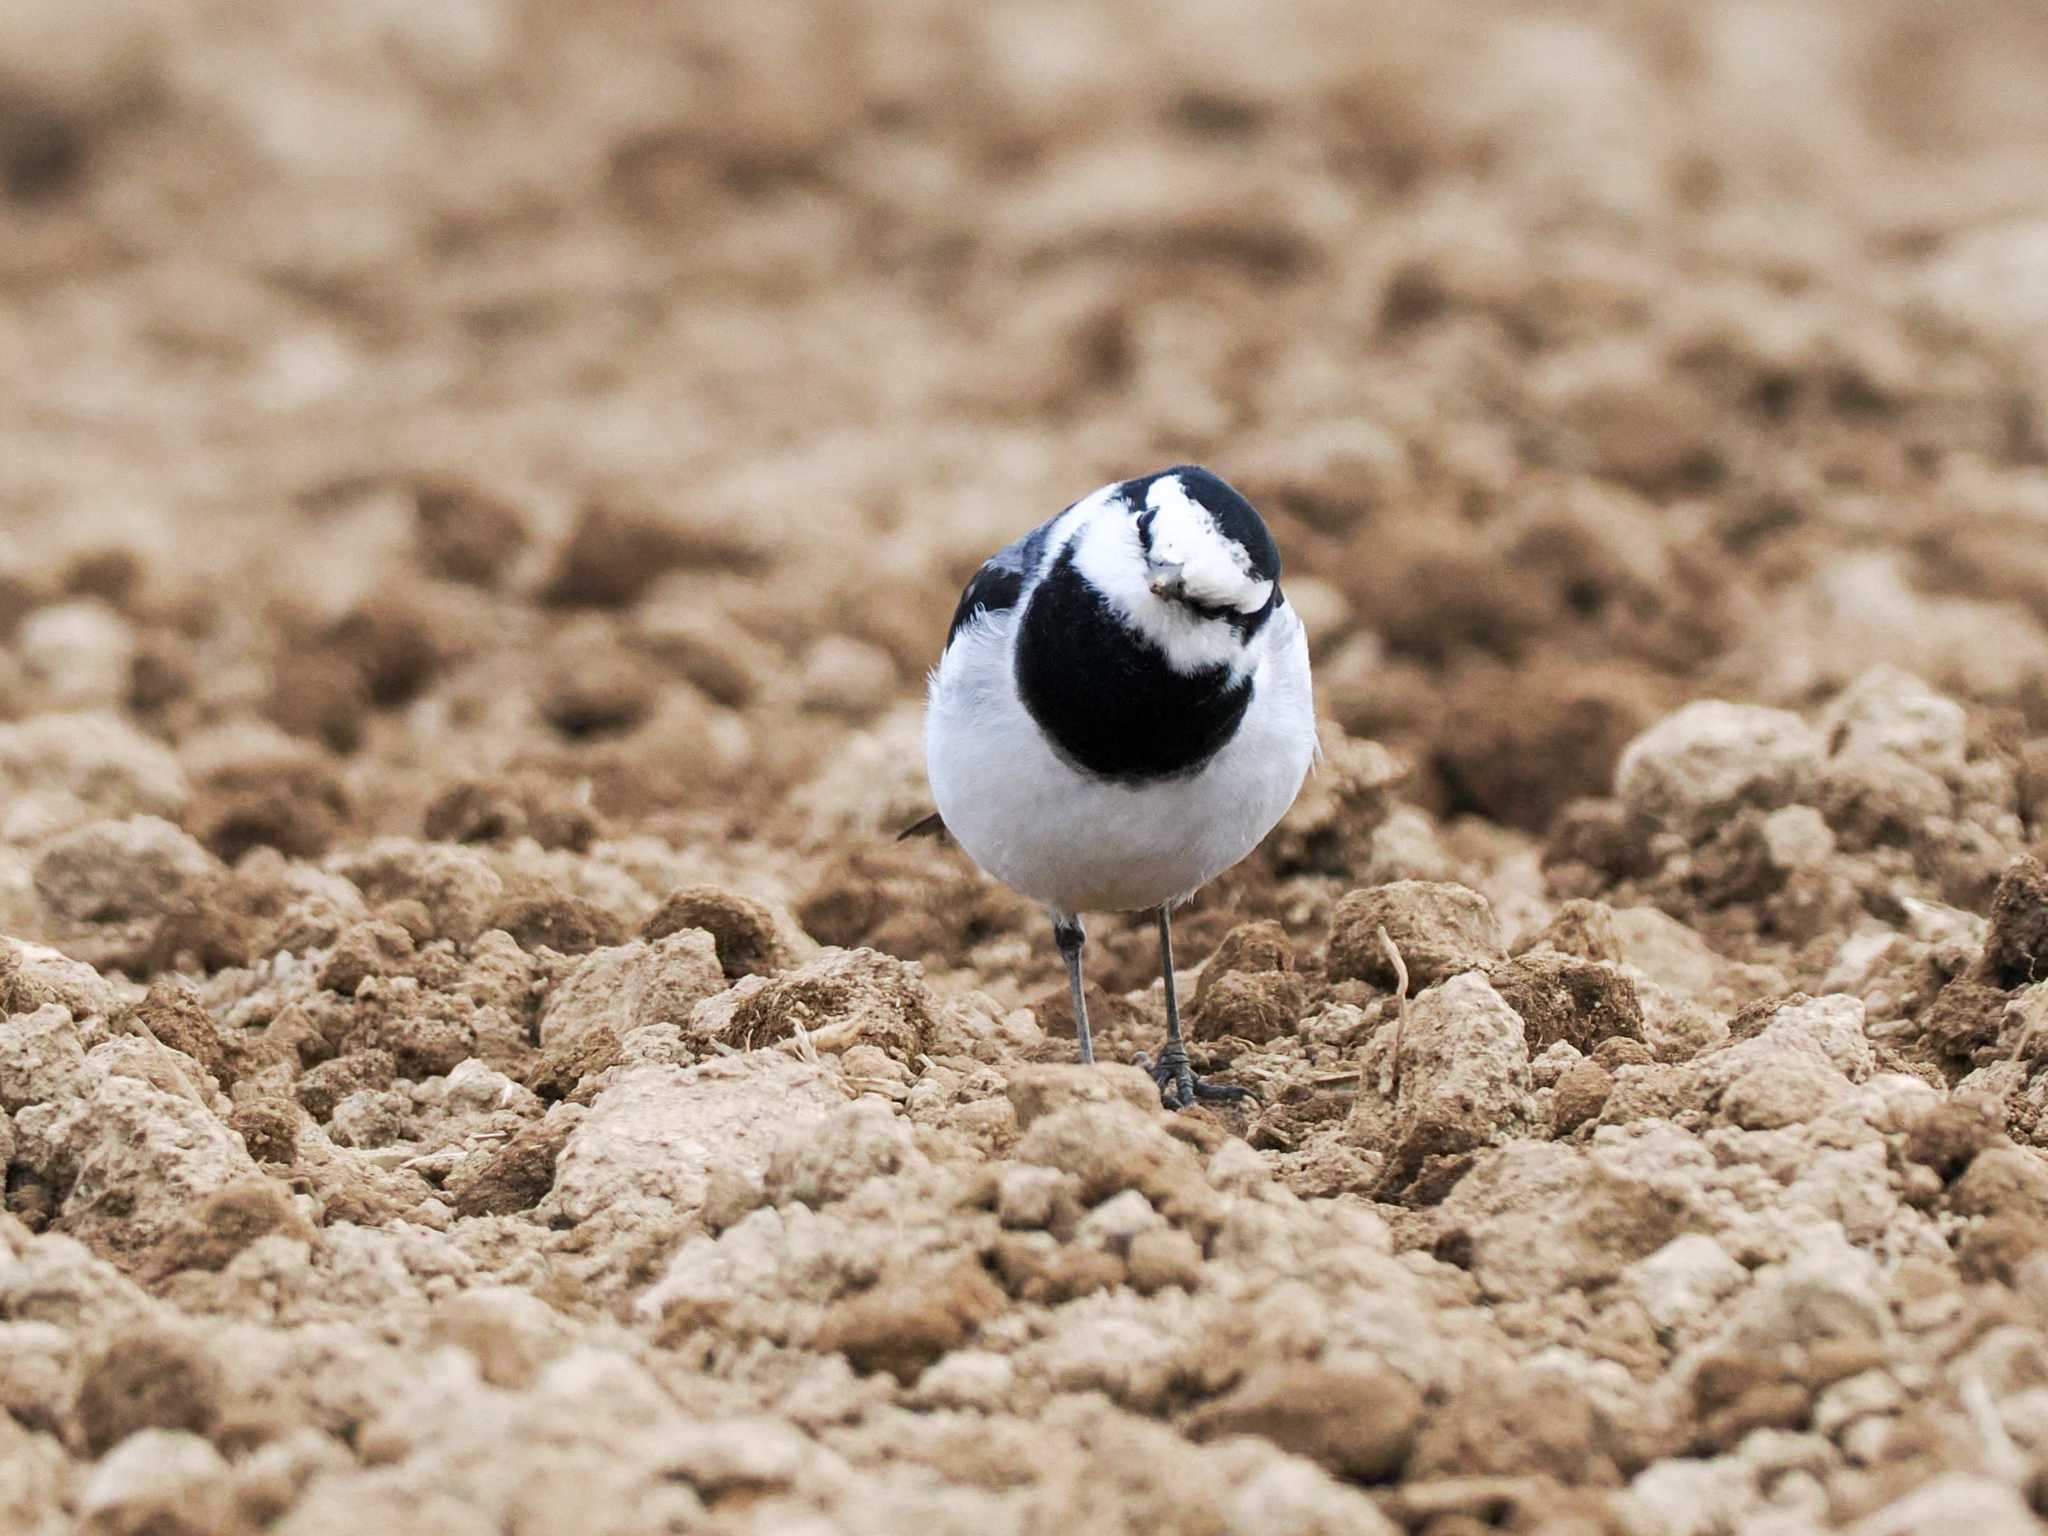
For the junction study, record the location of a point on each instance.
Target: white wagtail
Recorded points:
(1121, 713)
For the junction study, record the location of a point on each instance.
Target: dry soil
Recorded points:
(481, 483)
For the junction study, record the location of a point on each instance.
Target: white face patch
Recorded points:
(1214, 570)
(1109, 553)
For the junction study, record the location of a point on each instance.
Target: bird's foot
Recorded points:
(1178, 1085)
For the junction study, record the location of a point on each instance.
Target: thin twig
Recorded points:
(2037, 1012)
(1400, 966)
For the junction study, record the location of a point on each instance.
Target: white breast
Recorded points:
(1082, 844)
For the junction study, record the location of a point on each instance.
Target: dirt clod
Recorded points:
(1440, 930)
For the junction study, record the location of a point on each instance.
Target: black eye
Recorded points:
(1145, 528)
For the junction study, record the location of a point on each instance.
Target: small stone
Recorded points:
(751, 938)
(1439, 928)
(2003, 1180)
(1029, 1198)
(81, 652)
(323, 1087)
(228, 1221)
(147, 1377)
(519, 1175)
(1788, 1091)
(1948, 1137)
(1250, 948)
(825, 1162)
(2016, 951)
(1561, 997)
(1163, 1257)
(120, 871)
(1117, 1222)
(630, 986)
(1695, 768)
(1358, 1421)
(268, 1127)
(1038, 1090)
(1581, 1094)
(908, 1321)
(466, 532)
(967, 1378)
(364, 950)
(160, 1482)
(569, 925)
(1258, 1006)
(1954, 1501)
(173, 1014)
(1679, 1285)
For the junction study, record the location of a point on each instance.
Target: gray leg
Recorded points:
(1178, 1085)
(1067, 933)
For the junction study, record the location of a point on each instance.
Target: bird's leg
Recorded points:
(1068, 935)
(1178, 1085)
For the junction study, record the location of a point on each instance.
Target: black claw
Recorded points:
(1178, 1085)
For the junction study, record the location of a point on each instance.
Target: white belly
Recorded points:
(1081, 844)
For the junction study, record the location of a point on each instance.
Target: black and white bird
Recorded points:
(1122, 712)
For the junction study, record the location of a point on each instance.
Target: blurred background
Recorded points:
(498, 418)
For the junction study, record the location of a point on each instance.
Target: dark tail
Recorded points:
(930, 826)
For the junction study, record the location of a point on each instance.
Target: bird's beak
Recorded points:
(1166, 579)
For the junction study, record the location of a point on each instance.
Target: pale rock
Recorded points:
(82, 652)
(1659, 949)
(1281, 1495)
(39, 1368)
(1679, 1285)
(147, 1472)
(1889, 710)
(132, 1158)
(1796, 837)
(151, 1062)
(1954, 1501)
(370, 1117)
(1129, 1355)
(61, 771)
(57, 1279)
(1829, 1291)
(736, 1455)
(817, 1163)
(1115, 1223)
(1461, 1080)
(1680, 1497)
(1028, 1198)
(966, 1378)
(1804, 1060)
(120, 871)
(636, 985)
(1543, 1216)
(1695, 768)
(1783, 1093)
(42, 1058)
(1552, 1062)
(1843, 1403)
(457, 886)
(480, 1089)
(33, 976)
(656, 1133)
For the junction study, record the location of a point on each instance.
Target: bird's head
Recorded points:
(1186, 561)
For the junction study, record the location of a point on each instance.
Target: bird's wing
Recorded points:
(1004, 577)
